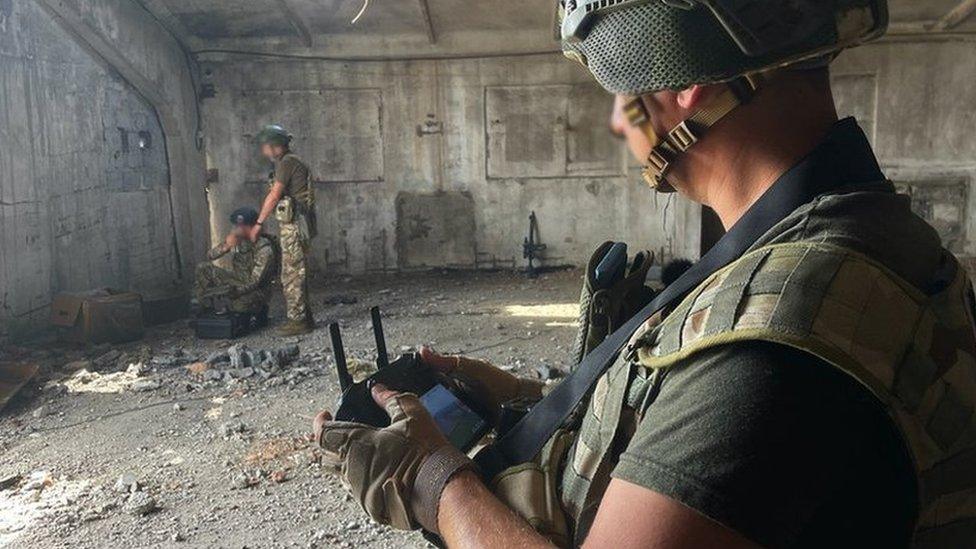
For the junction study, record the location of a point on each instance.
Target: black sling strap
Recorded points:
(843, 159)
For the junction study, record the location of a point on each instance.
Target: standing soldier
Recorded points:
(247, 285)
(291, 200)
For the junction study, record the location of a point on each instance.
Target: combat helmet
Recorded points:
(636, 47)
(273, 134)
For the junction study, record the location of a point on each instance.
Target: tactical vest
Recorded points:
(914, 350)
(244, 256)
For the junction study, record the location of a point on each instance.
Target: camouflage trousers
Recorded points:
(294, 271)
(211, 280)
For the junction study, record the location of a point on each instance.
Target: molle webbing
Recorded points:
(915, 351)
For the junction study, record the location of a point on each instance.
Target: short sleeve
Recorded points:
(777, 445)
(285, 169)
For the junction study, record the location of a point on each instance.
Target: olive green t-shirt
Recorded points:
(779, 446)
(291, 172)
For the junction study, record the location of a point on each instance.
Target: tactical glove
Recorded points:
(603, 310)
(397, 474)
(488, 386)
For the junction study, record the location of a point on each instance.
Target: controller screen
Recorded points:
(462, 426)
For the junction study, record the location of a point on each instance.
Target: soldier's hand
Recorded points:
(230, 242)
(255, 233)
(487, 385)
(396, 474)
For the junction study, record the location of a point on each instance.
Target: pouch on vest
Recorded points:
(531, 490)
(613, 292)
(285, 210)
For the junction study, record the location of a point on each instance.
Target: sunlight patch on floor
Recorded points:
(568, 311)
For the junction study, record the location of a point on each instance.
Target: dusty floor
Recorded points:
(101, 453)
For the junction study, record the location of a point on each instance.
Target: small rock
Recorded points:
(37, 481)
(242, 373)
(198, 368)
(241, 482)
(236, 354)
(547, 372)
(136, 369)
(177, 407)
(9, 481)
(40, 411)
(218, 357)
(126, 483)
(279, 476)
(213, 375)
(139, 504)
(107, 359)
(144, 385)
(232, 428)
(77, 365)
(177, 537)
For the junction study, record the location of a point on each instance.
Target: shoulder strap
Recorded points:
(827, 168)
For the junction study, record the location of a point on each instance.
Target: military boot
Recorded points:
(293, 328)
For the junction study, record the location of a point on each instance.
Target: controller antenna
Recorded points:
(342, 368)
(382, 359)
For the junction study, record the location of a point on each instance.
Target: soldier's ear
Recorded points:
(690, 99)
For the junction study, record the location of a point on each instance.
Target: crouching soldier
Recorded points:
(247, 285)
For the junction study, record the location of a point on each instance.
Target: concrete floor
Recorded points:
(227, 462)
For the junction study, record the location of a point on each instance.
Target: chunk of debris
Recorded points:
(144, 385)
(41, 411)
(198, 368)
(139, 504)
(37, 481)
(78, 365)
(107, 359)
(13, 377)
(10, 481)
(126, 483)
(232, 428)
(242, 481)
(547, 372)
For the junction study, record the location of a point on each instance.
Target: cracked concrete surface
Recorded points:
(227, 463)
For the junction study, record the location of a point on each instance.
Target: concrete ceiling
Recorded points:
(404, 28)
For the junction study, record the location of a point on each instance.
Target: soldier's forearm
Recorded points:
(217, 252)
(471, 516)
(270, 202)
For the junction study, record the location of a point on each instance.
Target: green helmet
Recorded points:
(273, 134)
(635, 47)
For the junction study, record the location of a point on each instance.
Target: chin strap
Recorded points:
(666, 150)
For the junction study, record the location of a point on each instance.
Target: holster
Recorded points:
(290, 210)
(602, 311)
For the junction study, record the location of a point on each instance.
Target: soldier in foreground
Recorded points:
(291, 200)
(247, 285)
(813, 386)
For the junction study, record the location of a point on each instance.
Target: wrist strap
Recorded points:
(434, 474)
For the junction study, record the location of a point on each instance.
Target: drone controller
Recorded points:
(454, 414)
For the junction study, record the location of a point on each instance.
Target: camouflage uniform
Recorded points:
(296, 227)
(249, 281)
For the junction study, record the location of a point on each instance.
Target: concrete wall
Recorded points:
(100, 182)
(918, 99)
(402, 149)
(439, 163)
